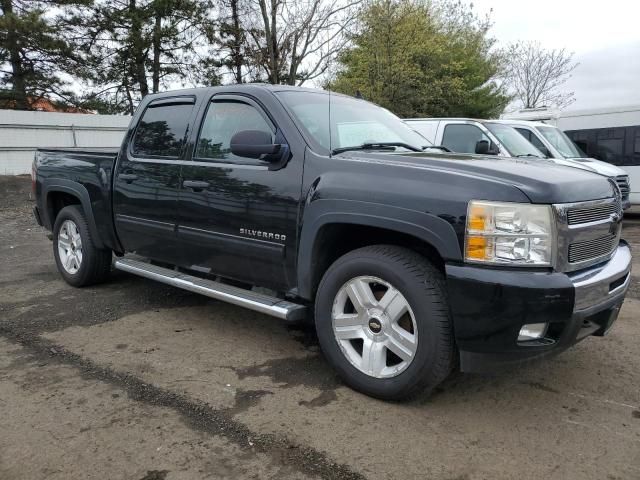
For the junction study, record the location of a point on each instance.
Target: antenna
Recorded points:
(330, 149)
(329, 88)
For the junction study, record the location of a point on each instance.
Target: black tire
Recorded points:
(423, 287)
(95, 266)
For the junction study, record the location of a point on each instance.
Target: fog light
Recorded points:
(532, 331)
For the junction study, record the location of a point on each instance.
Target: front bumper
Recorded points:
(490, 305)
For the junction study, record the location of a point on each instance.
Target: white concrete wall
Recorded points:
(21, 133)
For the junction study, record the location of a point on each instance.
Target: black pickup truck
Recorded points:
(299, 203)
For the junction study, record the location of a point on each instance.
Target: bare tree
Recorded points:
(293, 41)
(535, 75)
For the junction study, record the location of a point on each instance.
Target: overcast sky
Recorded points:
(605, 37)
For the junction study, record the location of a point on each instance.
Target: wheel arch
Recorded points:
(332, 234)
(61, 193)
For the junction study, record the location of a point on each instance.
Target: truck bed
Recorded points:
(82, 150)
(77, 173)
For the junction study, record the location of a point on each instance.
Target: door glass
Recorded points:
(525, 133)
(534, 139)
(162, 130)
(224, 119)
(462, 138)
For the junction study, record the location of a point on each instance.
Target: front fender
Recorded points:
(426, 227)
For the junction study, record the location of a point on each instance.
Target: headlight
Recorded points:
(509, 233)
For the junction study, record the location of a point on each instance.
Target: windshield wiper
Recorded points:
(377, 146)
(528, 155)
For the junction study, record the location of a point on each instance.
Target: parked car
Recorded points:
(411, 263)
(556, 145)
(466, 135)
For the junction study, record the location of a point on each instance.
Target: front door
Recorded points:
(238, 216)
(147, 180)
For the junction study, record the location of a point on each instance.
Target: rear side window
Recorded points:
(462, 138)
(162, 130)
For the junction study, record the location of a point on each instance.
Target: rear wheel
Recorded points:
(383, 323)
(79, 262)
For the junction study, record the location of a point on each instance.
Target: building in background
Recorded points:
(22, 132)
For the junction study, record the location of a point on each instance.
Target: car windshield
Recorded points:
(353, 122)
(516, 144)
(561, 142)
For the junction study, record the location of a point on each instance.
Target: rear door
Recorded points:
(238, 216)
(147, 180)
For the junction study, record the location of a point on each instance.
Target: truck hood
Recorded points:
(542, 181)
(592, 165)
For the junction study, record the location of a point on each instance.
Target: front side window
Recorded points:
(533, 138)
(462, 138)
(162, 130)
(516, 144)
(223, 120)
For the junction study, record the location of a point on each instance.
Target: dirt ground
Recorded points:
(135, 380)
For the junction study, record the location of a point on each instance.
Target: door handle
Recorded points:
(128, 177)
(195, 184)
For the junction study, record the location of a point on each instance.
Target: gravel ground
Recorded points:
(135, 380)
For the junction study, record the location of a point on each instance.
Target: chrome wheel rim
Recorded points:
(374, 326)
(70, 247)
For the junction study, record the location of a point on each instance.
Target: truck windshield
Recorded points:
(353, 122)
(561, 142)
(516, 144)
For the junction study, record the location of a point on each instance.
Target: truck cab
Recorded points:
(472, 136)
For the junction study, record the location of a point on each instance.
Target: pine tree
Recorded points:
(423, 59)
(134, 47)
(34, 54)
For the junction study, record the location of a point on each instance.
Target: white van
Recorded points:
(556, 145)
(472, 136)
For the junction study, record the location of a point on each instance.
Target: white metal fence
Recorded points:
(21, 133)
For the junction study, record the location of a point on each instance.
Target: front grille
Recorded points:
(578, 215)
(587, 232)
(590, 249)
(623, 184)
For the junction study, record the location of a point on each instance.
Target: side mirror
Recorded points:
(254, 144)
(482, 147)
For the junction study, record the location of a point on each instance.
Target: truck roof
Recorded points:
(247, 87)
(524, 123)
(440, 119)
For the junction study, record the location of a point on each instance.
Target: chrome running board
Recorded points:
(258, 302)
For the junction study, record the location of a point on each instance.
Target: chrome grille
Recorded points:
(587, 232)
(596, 213)
(594, 248)
(623, 184)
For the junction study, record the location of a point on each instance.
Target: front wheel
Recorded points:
(383, 322)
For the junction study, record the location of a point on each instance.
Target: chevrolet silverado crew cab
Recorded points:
(300, 203)
(500, 137)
